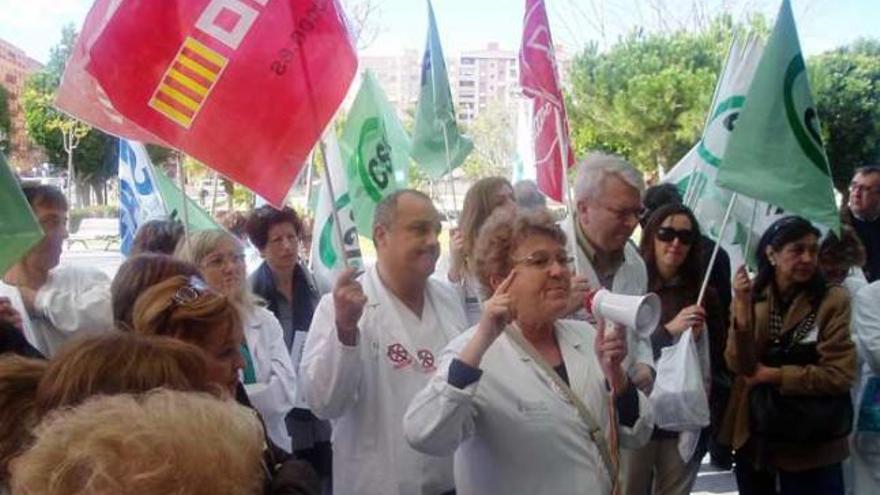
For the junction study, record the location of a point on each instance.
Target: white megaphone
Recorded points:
(641, 313)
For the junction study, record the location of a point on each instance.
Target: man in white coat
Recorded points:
(608, 196)
(55, 302)
(373, 344)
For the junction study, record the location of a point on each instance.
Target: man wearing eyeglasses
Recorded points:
(372, 346)
(864, 208)
(55, 302)
(608, 196)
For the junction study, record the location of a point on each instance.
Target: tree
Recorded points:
(647, 97)
(493, 134)
(846, 84)
(93, 156)
(5, 121)
(363, 16)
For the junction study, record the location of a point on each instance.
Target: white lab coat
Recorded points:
(512, 431)
(866, 333)
(366, 388)
(74, 300)
(274, 392)
(631, 279)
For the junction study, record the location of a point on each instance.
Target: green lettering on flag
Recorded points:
(437, 144)
(375, 150)
(775, 153)
(19, 229)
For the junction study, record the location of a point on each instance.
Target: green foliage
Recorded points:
(43, 121)
(5, 121)
(647, 97)
(94, 211)
(493, 133)
(846, 85)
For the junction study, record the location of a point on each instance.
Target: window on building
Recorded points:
(11, 79)
(467, 61)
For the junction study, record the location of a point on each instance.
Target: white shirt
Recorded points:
(631, 279)
(274, 392)
(74, 300)
(512, 431)
(366, 388)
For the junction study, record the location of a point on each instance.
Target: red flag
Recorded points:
(540, 82)
(245, 86)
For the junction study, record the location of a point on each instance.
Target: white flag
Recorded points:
(695, 173)
(139, 198)
(326, 258)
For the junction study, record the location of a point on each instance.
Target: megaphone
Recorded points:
(641, 313)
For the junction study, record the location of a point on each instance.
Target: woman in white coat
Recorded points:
(517, 396)
(268, 375)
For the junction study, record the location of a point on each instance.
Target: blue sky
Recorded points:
(35, 25)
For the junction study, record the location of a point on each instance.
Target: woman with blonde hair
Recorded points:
(269, 377)
(484, 197)
(163, 442)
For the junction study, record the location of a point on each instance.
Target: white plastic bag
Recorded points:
(679, 397)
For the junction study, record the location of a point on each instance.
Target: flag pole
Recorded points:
(335, 212)
(717, 248)
(181, 179)
(748, 250)
(563, 149)
(449, 168)
(309, 178)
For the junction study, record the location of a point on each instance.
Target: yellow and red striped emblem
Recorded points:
(188, 81)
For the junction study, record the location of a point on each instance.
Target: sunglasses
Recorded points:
(668, 234)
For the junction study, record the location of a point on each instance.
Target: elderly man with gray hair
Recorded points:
(608, 204)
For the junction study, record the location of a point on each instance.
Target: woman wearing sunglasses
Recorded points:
(671, 249)
(524, 397)
(790, 410)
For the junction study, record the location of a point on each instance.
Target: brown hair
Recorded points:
(158, 311)
(846, 249)
(19, 378)
(116, 363)
(135, 276)
(157, 236)
(44, 195)
(691, 269)
(502, 233)
(160, 443)
(262, 219)
(479, 202)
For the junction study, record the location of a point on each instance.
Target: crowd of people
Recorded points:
(185, 374)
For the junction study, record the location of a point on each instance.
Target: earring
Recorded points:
(772, 261)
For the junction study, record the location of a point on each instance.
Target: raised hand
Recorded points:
(498, 311)
(693, 317)
(580, 287)
(742, 285)
(349, 301)
(456, 256)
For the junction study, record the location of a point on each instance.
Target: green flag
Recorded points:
(375, 150)
(775, 153)
(198, 218)
(19, 229)
(436, 144)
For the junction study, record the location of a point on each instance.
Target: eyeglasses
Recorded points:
(668, 234)
(858, 188)
(623, 214)
(219, 261)
(541, 260)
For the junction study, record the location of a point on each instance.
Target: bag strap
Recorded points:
(595, 431)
